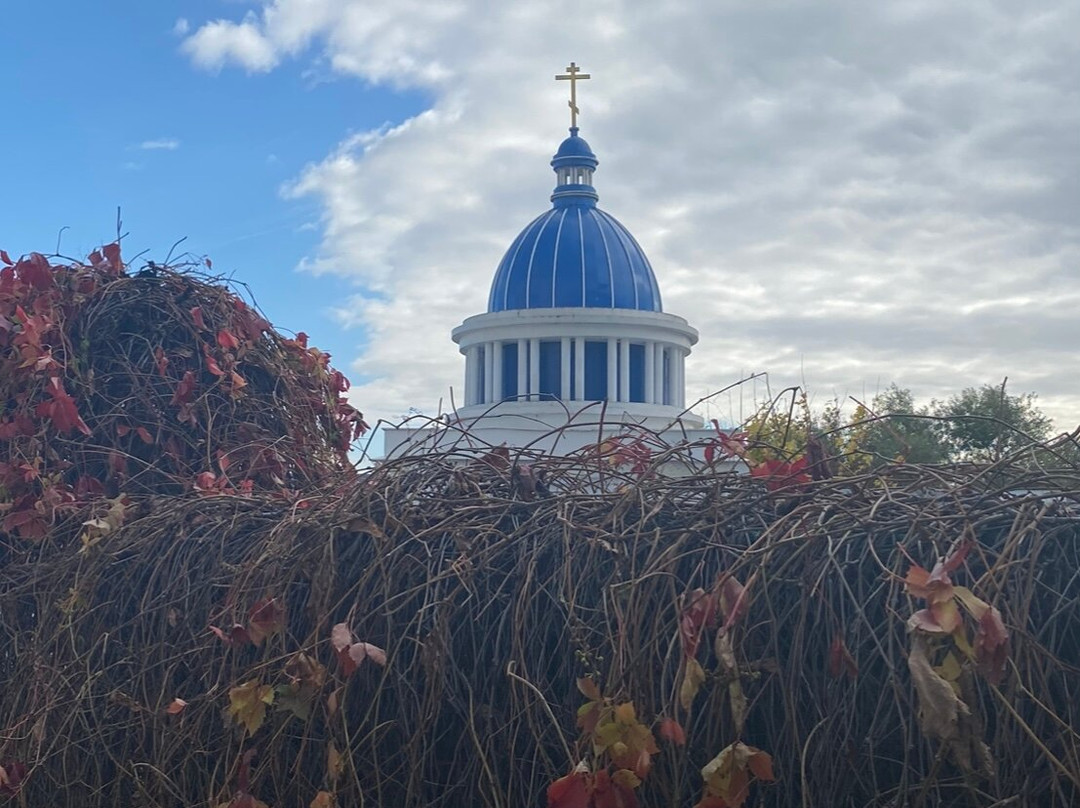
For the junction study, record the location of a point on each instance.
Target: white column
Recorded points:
(650, 372)
(534, 369)
(497, 379)
(612, 370)
(680, 391)
(624, 370)
(658, 388)
(564, 367)
(489, 372)
(470, 376)
(523, 369)
(579, 368)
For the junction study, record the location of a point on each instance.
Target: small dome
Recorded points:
(574, 255)
(572, 151)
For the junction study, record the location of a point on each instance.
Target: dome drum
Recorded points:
(631, 359)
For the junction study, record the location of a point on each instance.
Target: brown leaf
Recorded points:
(734, 599)
(840, 659)
(335, 763)
(738, 705)
(303, 670)
(266, 617)
(693, 678)
(324, 799)
(176, 706)
(939, 706)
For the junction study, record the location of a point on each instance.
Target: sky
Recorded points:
(839, 194)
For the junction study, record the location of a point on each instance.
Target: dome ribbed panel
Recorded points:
(574, 256)
(639, 273)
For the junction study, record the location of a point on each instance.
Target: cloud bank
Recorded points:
(839, 194)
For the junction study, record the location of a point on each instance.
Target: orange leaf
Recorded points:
(588, 688)
(324, 799)
(176, 707)
(760, 765)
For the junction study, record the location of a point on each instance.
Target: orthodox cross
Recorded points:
(573, 75)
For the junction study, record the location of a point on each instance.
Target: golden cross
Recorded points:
(573, 75)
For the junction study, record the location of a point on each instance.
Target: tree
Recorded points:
(984, 423)
(906, 433)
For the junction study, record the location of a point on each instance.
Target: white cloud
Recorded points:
(161, 144)
(181, 27)
(220, 42)
(843, 196)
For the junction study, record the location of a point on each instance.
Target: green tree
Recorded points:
(904, 432)
(984, 423)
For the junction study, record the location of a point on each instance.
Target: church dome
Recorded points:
(574, 255)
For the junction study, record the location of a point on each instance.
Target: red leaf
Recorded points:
(341, 639)
(161, 362)
(144, 435)
(992, 645)
(699, 612)
(196, 315)
(571, 791)
(779, 475)
(12, 774)
(734, 599)
(931, 586)
(840, 659)
(671, 730)
(608, 793)
(6, 259)
(954, 559)
(237, 635)
(35, 270)
(227, 340)
(112, 255)
(265, 618)
(212, 366)
(176, 706)
(184, 389)
(62, 409)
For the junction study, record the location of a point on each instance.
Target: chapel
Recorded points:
(575, 338)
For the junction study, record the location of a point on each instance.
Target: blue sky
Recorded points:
(842, 195)
(103, 110)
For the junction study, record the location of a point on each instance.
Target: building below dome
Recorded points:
(574, 345)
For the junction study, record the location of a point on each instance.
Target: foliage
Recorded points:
(985, 423)
(161, 382)
(739, 635)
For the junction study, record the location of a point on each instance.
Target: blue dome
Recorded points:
(574, 255)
